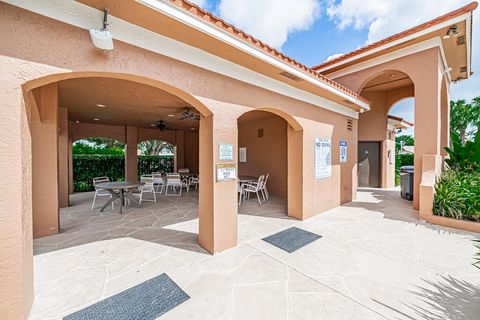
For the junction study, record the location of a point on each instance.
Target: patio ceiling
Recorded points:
(126, 103)
(388, 80)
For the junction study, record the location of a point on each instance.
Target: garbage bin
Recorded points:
(406, 182)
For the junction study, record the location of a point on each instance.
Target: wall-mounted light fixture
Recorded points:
(452, 31)
(102, 39)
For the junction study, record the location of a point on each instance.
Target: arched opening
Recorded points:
(267, 143)
(391, 113)
(153, 129)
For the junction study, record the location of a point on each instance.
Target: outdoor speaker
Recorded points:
(102, 39)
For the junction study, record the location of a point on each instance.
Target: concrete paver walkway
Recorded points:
(374, 261)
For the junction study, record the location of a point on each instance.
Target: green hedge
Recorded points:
(87, 167)
(400, 161)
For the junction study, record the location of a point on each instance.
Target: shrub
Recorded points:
(400, 161)
(87, 167)
(457, 194)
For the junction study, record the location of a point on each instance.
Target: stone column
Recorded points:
(70, 159)
(44, 126)
(16, 265)
(131, 157)
(218, 200)
(295, 173)
(63, 158)
(445, 106)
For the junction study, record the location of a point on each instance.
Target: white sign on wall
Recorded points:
(323, 158)
(242, 154)
(225, 152)
(226, 171)
(343, 151)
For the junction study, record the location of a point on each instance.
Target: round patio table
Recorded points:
(119, 190)
(246, 179)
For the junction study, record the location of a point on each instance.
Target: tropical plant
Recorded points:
(464, 118)
(154, 147)
(464, 156)
(84, 147)
(405, 140)
(457, 194)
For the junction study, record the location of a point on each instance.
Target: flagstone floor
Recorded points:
(375, 260)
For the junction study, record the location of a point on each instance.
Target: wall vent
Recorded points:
(349, 124)
(460, 40)
(291, 76)
(463, 69)
(260, 133)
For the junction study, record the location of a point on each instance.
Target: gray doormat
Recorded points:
(148, 300)
(292, 239)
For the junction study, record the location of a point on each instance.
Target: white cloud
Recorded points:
(271, 21)
(384, 18)
(200, 3)
(334, 56)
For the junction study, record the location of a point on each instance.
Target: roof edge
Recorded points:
(199, 13)
(452, 14)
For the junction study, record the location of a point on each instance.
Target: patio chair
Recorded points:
(148, 187)
(266, 195)
(241, 194)
(100, 192)
(183, 171)
(173, 182)
(255, 187)
(194, 181)
(158, 182)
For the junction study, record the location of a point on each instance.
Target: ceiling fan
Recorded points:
(162, 126)
(189, 114)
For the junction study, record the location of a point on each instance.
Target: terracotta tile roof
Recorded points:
(468, 8)
(209, 17)
(400, 119)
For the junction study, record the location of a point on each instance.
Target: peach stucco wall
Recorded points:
(425, 69)
(26, 65)
(267, 153)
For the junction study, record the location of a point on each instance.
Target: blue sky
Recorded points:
(312, 30)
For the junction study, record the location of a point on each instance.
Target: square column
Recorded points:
(427, 125)
(63, 158)
(44, 129)
(16, 252)
(218, 228)
(131, 156)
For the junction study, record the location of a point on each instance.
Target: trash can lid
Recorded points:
(408, 169)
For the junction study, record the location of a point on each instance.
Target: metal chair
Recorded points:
(100, 192)
(255, 187)
(148, 187)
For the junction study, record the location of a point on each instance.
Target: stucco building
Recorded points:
(171, 56)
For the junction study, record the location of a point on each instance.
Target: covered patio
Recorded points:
(375, 260)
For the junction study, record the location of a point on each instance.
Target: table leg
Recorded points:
(113, 198)
(130, 196)
(121, 200)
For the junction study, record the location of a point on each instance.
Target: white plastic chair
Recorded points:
(173, 182)
(148, 187)
(266, 195)
(241, 194)
(158, 182)
(183, 171)
(255, 187)
(100, 192)
(194, 181)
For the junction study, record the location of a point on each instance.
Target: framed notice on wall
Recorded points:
(323, 158)
(226, 171)
(225, 151)
(242, 154)
(343, 151)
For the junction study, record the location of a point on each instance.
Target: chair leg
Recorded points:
(154, 196)
(94, 198)
(266, 193)
(141, 197)
(258, 197)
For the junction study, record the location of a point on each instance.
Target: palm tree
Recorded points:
(463, 116)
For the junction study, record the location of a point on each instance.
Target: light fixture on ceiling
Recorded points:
(102, 39)
(101, 106)
(391, 75)
(96, 119)
(153, 124)
(171, 115)
(452, 31)
(77, 121)
(192, 129)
